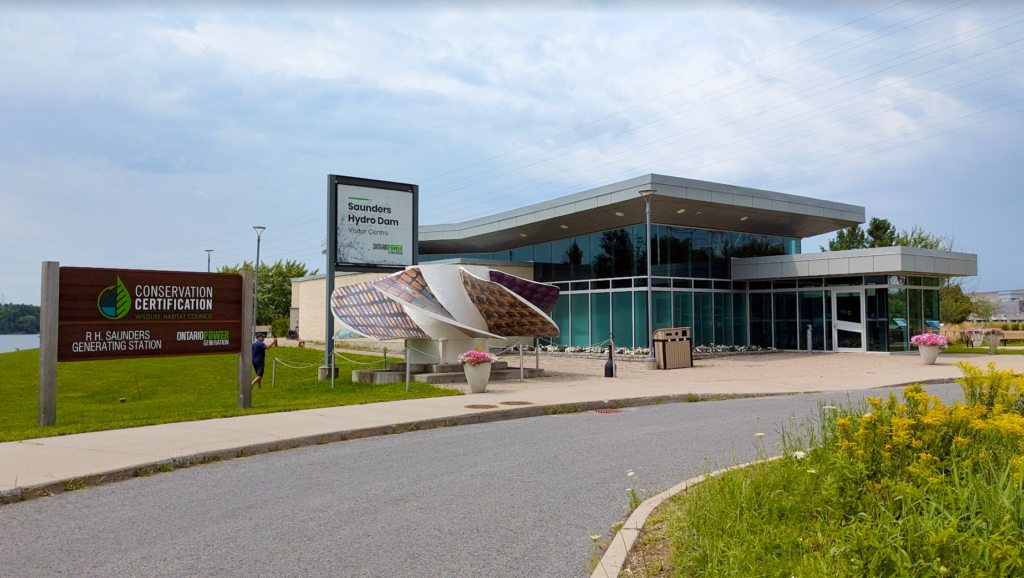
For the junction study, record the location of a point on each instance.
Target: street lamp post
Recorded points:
(208, 251)
(651, 362)
(256, 284)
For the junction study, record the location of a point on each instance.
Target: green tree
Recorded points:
(881, 233)
(983, 308)
(19, 319)
(274, 295)
(918, 237)
(954, 306)
(848, 239)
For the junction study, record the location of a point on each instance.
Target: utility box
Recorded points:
(672, 348)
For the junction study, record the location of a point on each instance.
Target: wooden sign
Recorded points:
(124, 313)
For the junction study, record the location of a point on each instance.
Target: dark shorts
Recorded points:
(259, 369)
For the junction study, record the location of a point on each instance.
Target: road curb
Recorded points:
(618, 549)
(22, 493)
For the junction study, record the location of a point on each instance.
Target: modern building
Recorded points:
(726, 261)
(1009, 305)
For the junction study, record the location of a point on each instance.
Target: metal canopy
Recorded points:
(679, 202)
(878, 261)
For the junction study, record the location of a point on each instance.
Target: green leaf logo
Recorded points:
(114, 302)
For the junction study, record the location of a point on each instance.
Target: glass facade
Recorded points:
(603, 282)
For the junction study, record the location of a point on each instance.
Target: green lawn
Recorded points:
(963, 349)
(174, 389)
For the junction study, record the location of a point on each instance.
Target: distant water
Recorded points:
(12, 342)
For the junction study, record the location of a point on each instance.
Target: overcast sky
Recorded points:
(139, 138)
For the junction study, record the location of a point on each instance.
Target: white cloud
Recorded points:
(205, 122)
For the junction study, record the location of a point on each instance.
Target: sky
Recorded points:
(137, 137)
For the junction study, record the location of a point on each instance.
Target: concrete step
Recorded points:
(511, 373)
(418, 368)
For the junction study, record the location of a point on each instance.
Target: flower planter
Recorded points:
(993, 342)
(976, 340)
(477, 376)
(929, 353)
(929, 345)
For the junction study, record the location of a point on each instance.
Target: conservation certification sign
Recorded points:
(123, 313)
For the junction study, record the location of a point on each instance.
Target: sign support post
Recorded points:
(48, 318)
(245, 355)
(332, 260)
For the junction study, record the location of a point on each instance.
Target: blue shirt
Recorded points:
(259, 352)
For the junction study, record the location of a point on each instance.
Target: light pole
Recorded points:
(651, 362)
(208, 251)
(256, 284)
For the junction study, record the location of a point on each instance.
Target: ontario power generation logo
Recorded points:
(115, 301)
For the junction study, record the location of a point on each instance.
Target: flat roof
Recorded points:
(879, 261)
(678, 201)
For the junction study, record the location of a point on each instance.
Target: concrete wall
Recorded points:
(308, 295)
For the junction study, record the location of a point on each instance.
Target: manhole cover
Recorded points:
(607, 411)
(515, 403)
(481, 406)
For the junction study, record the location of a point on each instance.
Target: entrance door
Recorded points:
(849, 325)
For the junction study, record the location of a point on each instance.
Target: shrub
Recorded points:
(279, 326)
(892, 487)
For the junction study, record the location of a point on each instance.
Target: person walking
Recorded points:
(259, 358)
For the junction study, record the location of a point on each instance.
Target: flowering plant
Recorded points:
(475, 358)
(985, 330)
(930, 339)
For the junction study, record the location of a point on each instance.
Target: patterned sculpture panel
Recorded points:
(366, 311)
(506, 314)
(508, 306)
(542, 295)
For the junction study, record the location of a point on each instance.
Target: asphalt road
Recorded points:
(515, 498)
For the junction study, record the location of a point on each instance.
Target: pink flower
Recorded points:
(929, 339)
(476, 358)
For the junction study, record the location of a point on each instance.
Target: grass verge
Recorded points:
(175, 389)
(960, 349)
(887, 488)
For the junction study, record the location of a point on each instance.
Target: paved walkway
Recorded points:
(44, 462)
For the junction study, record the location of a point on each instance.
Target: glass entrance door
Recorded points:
(849, 315)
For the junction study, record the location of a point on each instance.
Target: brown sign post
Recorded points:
(91, 314)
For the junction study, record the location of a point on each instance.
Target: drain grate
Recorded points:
(481, 406)
(608, 411)
(515, 403)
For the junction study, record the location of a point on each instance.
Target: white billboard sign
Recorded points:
(374, 226)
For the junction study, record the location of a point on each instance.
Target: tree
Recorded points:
(847, 239)
(918, 237)
(983, 308)
(881, 233)
(954, 306)
(274, 295)
(19, 319)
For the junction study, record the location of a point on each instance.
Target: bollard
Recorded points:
(536, 351)
(521, 370)
(809, 338)
(384, 364)
(611, 348)
(407, 369)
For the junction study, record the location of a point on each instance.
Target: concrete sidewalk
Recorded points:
(49, 464)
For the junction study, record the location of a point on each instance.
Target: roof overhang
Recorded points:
(880, 261)
(680, 202)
